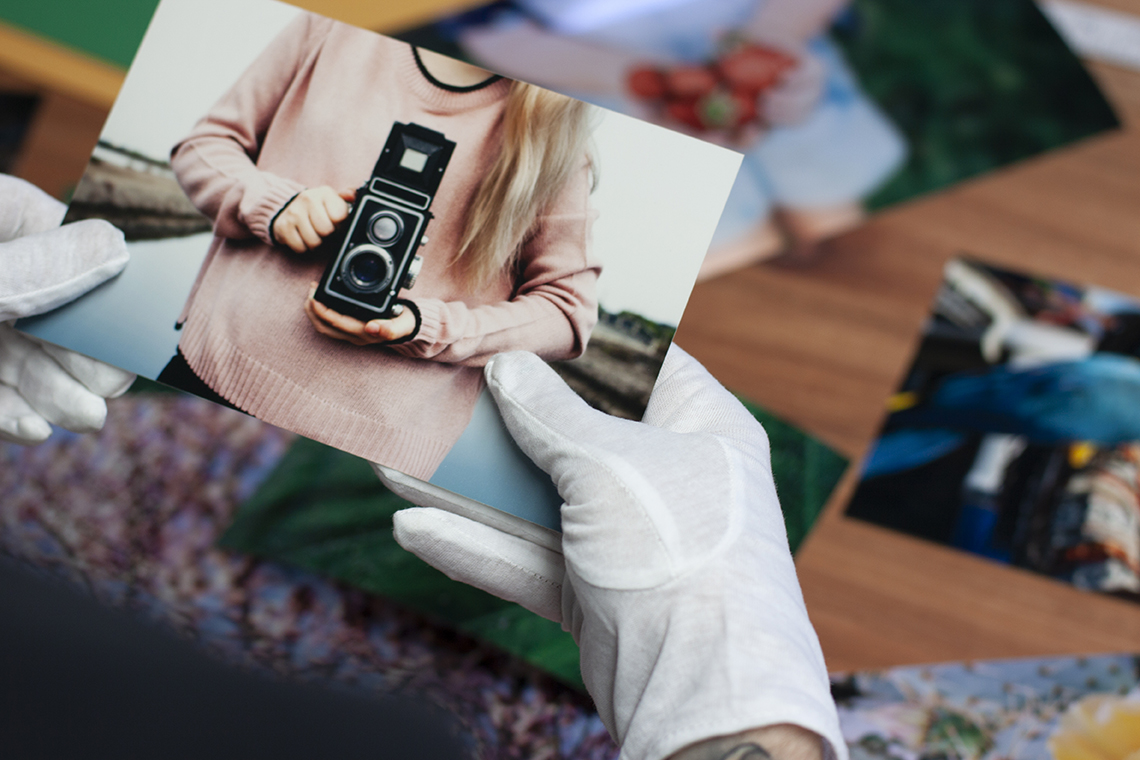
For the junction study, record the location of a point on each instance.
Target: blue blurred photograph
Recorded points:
(1016, 433)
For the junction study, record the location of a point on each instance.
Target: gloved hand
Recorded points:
(675, 576)
(42, 266)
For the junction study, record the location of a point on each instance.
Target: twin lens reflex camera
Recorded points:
(375, 253)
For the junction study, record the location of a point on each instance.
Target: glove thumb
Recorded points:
(26, 209)
(550, 422)
(48, 269)
(620, 527)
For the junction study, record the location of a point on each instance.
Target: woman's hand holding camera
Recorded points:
(343, 327)
(310, 217)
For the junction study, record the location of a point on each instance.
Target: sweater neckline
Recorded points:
(448, 100)
(451, 87)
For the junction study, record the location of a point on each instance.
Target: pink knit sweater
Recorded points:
(315, 109)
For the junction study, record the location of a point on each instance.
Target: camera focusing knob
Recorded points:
(423, 241)
(397, 309)
(413, 272)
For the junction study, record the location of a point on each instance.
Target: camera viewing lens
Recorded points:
(385, 227)
(367, 269)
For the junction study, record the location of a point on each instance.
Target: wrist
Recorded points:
(273, 222)
(780, 742)
(415, 312)
(429, 326)
(260, 209)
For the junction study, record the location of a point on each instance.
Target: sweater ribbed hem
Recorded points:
(271, 397)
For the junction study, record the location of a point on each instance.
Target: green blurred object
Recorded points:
(324, 510)
(806, 472)
(109, 29)
(972, 84)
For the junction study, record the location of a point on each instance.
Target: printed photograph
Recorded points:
(1049, 708)
(841, 107)
(1016, 433)
(334, 231)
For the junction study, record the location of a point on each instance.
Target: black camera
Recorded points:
(375, 251)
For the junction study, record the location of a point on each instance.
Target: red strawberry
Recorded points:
(755, 68)
(647, 83)
(745, 105)
(690, 81)
(685, 111)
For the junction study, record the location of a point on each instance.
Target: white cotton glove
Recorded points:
(675, 576)
(42, 266)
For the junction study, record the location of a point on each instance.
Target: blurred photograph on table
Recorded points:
(1016, 432)
(1050, 708)
(841, 107)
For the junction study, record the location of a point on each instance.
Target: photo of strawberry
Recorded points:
(720, 95)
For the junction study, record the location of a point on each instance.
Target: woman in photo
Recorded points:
(507, 266)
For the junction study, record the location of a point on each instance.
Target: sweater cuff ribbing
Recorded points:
(263, 209)
(430, 331)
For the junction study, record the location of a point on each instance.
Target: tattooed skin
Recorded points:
(747, 751)
(779, 742)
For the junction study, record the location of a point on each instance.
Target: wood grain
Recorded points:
(824, 345)
(50, 66)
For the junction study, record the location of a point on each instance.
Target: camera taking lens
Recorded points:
(367, 269)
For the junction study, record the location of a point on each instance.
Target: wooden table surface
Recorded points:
(824, 345)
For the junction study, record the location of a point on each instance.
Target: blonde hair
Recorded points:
(545, 137)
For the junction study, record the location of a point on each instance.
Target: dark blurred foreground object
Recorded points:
(79, 680)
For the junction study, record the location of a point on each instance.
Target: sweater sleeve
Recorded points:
(555, 306)
(216, 163)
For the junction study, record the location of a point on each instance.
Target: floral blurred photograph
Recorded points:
(1057, 708)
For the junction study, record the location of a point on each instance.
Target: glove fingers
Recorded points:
(687, 399)
(73, 259)
(99, 378)
(26, 210)
(19, 423)
(510, 568)
(59, 397)
(14, 350)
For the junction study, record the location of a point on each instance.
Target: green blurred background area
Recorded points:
(110, 30)
(973, 85)
(325, 511)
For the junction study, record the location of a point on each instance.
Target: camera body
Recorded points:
(375, 252)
